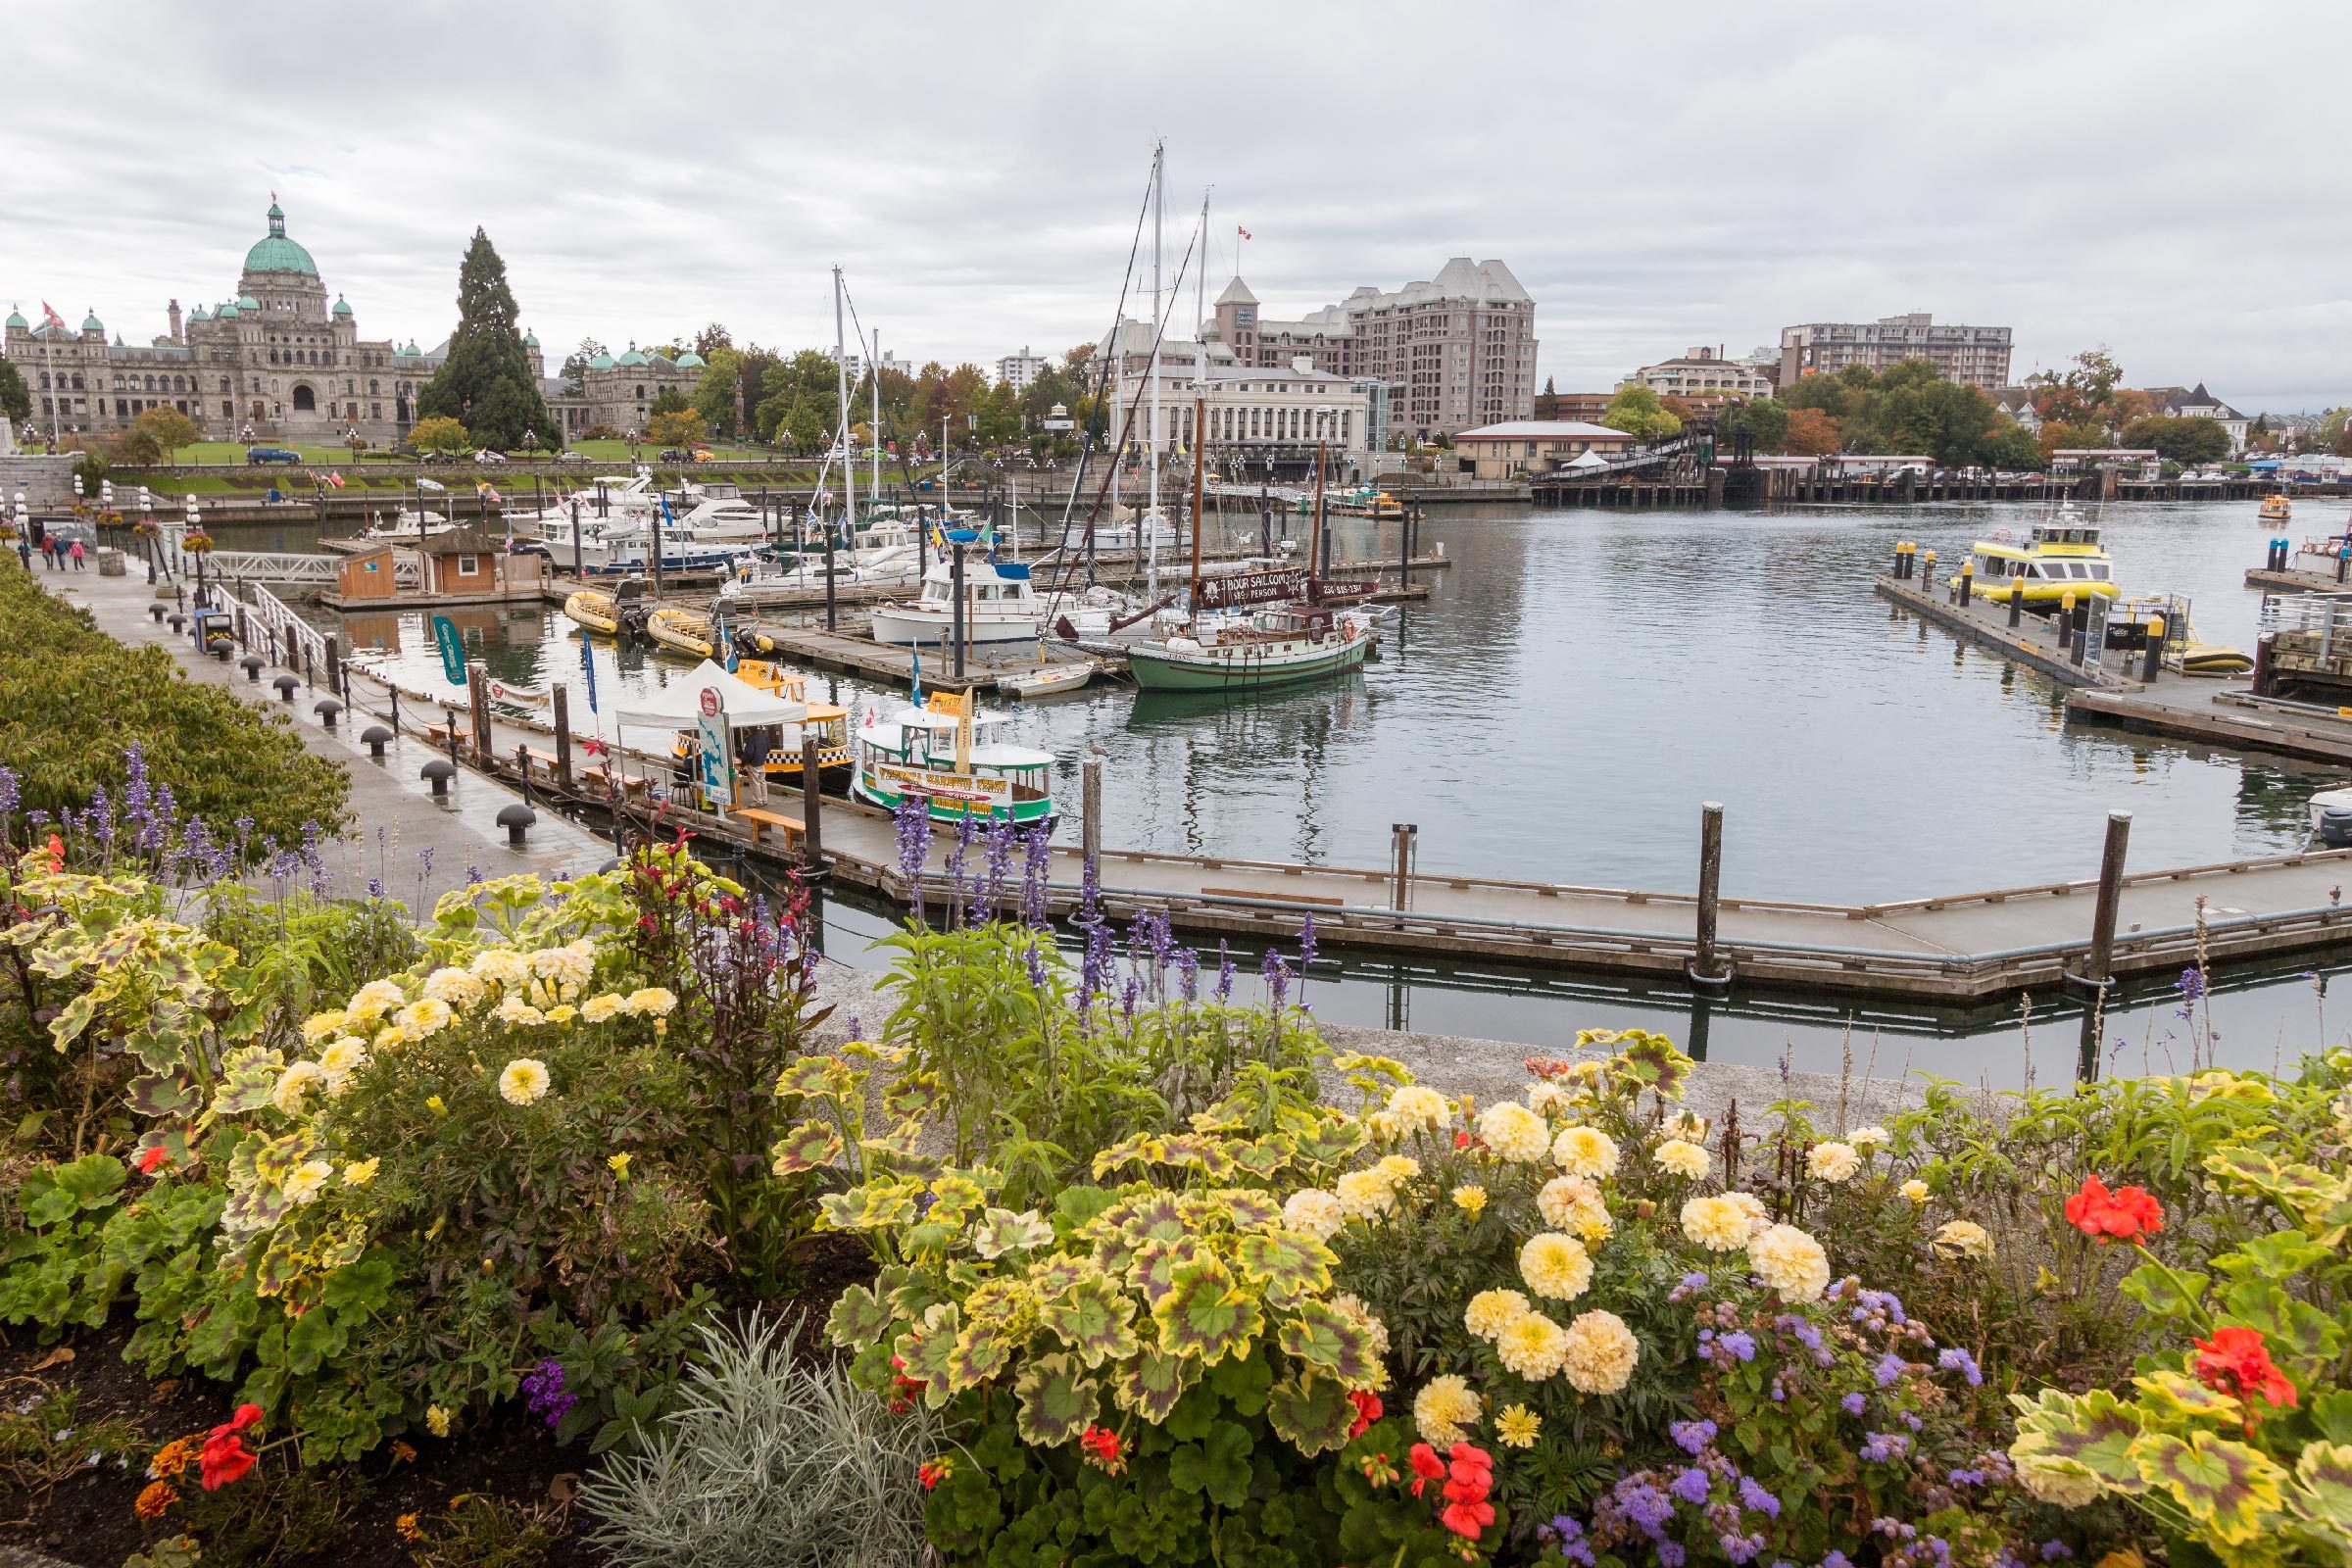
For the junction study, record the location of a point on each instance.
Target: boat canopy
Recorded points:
(1012, 571)
(678, 706)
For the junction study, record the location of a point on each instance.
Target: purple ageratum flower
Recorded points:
(1886, 1302)
(1956, 1360)
(1569, 1536)
(1739, 1343)
(1692, 1486)
(1695, 1279)
(1967, 1478)
(1914, 1423)
(1670, 1554)
(1752, 1494)
(1853, 1404)
(1692, 1436)
(1885, 1448)
(2052, 1550)
(1891, 1367)
(1644, 1504)
(1837, 1560)
(1738, 1548)
(1799, 1329)
(545, 1387)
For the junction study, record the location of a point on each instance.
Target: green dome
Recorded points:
(202, 314)
(15, 316)
(91, 324)
(278, 253)
(246, 301)
(530, 340)
(630, 357)
(690, 361)
(603, 361)
(226, 312)
(341, 309)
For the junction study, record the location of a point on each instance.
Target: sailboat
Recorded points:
(1249, 630)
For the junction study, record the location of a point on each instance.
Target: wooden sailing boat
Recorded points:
(1273, 629)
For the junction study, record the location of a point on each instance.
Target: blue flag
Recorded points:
(588, 666)
(453, 651)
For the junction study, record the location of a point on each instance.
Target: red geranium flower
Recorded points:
(1466, 1519)
(2125, 1215)
(1102, 1446)
(2236, 1361)
(153, 1159)
(225, 1457)
(1367, 1411)
(1427, 1466)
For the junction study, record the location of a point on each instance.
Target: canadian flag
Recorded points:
(49, 314)
(1244, 234)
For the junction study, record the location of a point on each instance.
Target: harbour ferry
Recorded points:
(2055, 559)
(946, 755)
(2276, 508)
(1367, 501)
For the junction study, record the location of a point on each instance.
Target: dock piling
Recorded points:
(478, 701)
(522, 768)
(561, 700)
(813, 798)
(334, 665)
(1091, 805)
(2066, 620)
(1968, 582)
(2017, 606)
(2082, 631)
(2155, 634)
(2101, 956)
(1706, 967)
(1401, 836)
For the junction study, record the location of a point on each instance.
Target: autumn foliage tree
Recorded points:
(1812, 433)
(440, 435)
(676, 427)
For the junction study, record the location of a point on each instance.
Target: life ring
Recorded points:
(869, 718)
(1351, 631)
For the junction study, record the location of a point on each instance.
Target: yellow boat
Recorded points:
(2129, 625)
(681, 631)
(830, 722)
(2058, 558)
(595, 610)
(2276, 507)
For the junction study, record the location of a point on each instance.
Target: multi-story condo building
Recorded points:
(1977, 355)
(1704, 378)
(1456, 351)
(1020, 372)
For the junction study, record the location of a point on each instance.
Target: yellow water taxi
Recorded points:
(2276, 507)
(681, 631)
(2055, 559)
(830, 722)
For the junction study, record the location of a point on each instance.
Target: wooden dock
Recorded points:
(2033, 642)
(2299, 583)
(890, 663)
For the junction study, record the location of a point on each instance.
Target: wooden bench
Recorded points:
(789, 827)
(1269, 896)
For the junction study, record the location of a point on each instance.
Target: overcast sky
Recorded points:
(2166, 180)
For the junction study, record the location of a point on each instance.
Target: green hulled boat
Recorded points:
(1277, 646)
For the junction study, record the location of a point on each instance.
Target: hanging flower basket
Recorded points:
(197, 543)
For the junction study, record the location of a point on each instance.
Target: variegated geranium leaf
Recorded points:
(2227, 1486)
(927, 1348)
(858, 1318)
(1248, 1209)
(1057, 1401)
(874, 1206)
(1155, 1263)
(163, 1093)
(2180, 1395)
(1323, 1335)
(914, 1095)
(1204, 1152)
(1143, 1150)
(2095, 1430)
(807, 1146)
(1151, 1385)
(1266, 1157)
(955, 1196)
(1310, 1413)
(1329, 1143)
(1208, 1313)
(1053, 1275)
(1284, 1263)
(247, 1079)
(1094, 1317)
(1651, 1061)
(1002, 1231)
(816, 1077)
(900, 1142)
(980, 1353)
(1156, 1219)
(2323, 1488)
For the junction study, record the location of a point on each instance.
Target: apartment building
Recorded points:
(1020, 372)
(1704, 378)
(1977, 355)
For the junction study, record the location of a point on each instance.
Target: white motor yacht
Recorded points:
(999, 605)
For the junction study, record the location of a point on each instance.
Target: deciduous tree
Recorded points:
(1812, 433)
(2183, 441)
(441, 435)
(157, 433)
(1638, 412)
(674, 427)
(15, 398)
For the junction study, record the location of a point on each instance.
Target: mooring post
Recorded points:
(1968, 582)
(2102, 944)
(449, 717)
(2066, 619)
(1926, 571)
(522, 768)
(1705, 969)
(2082, 632)
(2017, 604)
(1091, 805)
(812, 844)
(2343, 560)
(2262, 663)
(477, 693)
(334, 667)
(2155, 648)
(561, 699)
(1401, 836)
(955, 578)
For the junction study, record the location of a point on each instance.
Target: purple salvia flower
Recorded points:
(1036, 868)
(1277, 972)
(1224, 971)
(1188, 973)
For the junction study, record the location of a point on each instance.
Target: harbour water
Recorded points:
(1579, 681)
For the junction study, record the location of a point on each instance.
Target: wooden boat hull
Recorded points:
(1232, 670)
(594, 611)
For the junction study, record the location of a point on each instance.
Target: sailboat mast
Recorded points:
(1200, 461)
(874, 370)
(840, 369)
(1159, 190)
(1201, 356)
(1314, 545)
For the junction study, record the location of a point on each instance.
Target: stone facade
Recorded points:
(617, 393)
(1262, 417)
(274, 361)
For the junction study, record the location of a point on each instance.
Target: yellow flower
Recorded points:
(1964, 1238)
(1555, 1265)
(600, 1010)
(1716, 1223)
(1349, 1305)
(1586, 1152)
(436, 1421)
(652, 1002)
(1789, 1262)
(1915, 1189)
(1547, 1098)
(371, 1002)
(1396, 1168)
(307, 1179)
(1414, 1109)
(1514, 1132)
(1869, 1139)
(561, 1012)
(1313, 1211)
(340, 1060)
(1832, 1161)
(360, 1172)
(1445, 1410)
(1530, 1347)
(618, 1164)
(523, 1082)
(1680, 1157)
(503, 967)
(391, 1037)
(422, 1021)
(1470, 1199)
(432, 1103)
(1490, 1312)
(407, 1528)
(1688, 1124)
(517, 1013)
(1364, 1194)
(294, 1084)
(320, 1025)
(458, 988)
(1517, 1427)
(1602, 1354)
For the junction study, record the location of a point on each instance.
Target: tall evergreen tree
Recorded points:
(486, 381)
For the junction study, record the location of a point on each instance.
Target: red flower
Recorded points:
(1102, 1446)
(225, 1459)
(1367, 1411)
(938, 1470)
(2236, 1361)
(2125, 1215)
(154, 1158)
(56, 852)
(1427, 1466)
(1466, 1519)
(1461, 1140)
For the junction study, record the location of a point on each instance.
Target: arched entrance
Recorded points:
(304, 400)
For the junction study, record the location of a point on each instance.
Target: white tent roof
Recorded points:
(678, 706)
(1590, 458)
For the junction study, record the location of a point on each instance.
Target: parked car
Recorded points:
(704, 454)
(260, 454)
(573, 457)
(671, 454)
(490, 459)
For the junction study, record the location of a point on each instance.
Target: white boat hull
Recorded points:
(907, 624)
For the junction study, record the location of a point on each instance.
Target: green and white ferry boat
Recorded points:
(947, 755)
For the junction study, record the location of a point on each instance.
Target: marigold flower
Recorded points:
(360, 1172)
(1445, 1409)
(436, 1420)
(1547, 1098)
(2124, 1214)
(432, 1103)
(294, 1086)
(1364, 1193)
(1965, 1238)
(371, 1002)
(308, 1180)
(1351, 1307)
(562, 1012)
(423, 1019)
(1716, 1223)
(1602, 1354)
(1416, 1109)
(1514, 1132)
(1313, 1211)
(1915, 1189)
(1832, 1161)
(524, 1081)
(156, 1499)
(2236, 1361)
(459, 987)
(1789, 1262)
(1517, 1427)
(1396, 1168)
(174, 1456)
(1470, 1199)
(517, 1014)
(1585, 1151)
(1490, 1312)
(1562, 1197)
(407, 1528)
(1530, 1347)
(1682, 1157)
(652, 1002)
(1869, 1139)
(619, 1165)
(503, 967)
(603, 1008)
(320, 1025)
(1555, 1265)
(342, 1057)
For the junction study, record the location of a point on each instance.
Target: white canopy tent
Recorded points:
(1589, 459)
(678, 706)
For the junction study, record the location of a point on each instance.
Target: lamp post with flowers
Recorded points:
(199, 544)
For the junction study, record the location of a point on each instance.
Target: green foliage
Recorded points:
(479, 1530)
(15, 398)
(1636, 411)
(441, 435)
(77, 699)
(1907, 408)
(486, 382)
(2184, 441)
(45, 1438)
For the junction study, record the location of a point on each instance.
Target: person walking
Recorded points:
(76, 552)
(24, 551)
